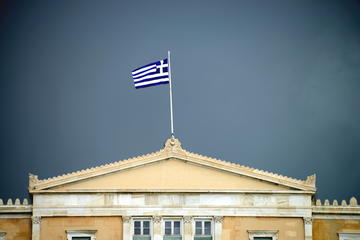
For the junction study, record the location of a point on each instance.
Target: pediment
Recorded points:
(175, 174)
(170, 169)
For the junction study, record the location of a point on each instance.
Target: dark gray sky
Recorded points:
(273, 85)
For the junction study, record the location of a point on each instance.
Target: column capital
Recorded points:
(307, 220)
(156, 219)
(218, 219)
(36, 219)
(126, 219)
(187, 219)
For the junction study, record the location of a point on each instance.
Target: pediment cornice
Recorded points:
(172, 149)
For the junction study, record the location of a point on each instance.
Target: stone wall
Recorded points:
(54, 228)
(15, 219)
(330, 219)
(328, 229)
(236, 228)
(16, 228)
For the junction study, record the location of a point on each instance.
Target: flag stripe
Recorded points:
(154, 78)
(152, 84)
(151, 70)
(135, 71)
(150, 75)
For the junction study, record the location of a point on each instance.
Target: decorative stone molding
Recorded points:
(335, 208)
(307, 221)
(218, 219)
(172, 148)
(16, 206)
(172, 144)
(311, 180)
(263, 233)
(126, 219)
(188, 219)
(36, 219)
(33, 179)
(156, 219)
(352, 203)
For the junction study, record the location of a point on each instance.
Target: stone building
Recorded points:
(174, 194)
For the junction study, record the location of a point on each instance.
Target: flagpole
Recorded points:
(171, 100)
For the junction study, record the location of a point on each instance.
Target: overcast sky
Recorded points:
(273, 85)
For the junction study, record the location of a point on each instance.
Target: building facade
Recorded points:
(174, 194)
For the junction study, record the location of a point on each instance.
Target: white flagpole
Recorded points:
(171, 102)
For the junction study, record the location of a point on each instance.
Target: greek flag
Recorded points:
(152, 74)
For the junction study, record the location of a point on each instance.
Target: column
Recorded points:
(188, 229)
(126, 227)
(308, 228)
(157, 228)
(218, 227)
(36, 222)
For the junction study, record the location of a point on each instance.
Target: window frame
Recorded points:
(81, 233)
(203, 220)
(172, 220)
(2, 235)
(263, 233)
(142, 219)
(349, 236)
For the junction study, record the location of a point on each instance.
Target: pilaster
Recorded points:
(157, 228)
(126, 227)
(188, 229)
(218, 227)
(36, 223)
(308, 228)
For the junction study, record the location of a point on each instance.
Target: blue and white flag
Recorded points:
(152, 74)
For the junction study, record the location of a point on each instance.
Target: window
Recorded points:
(349, 236)
(142, 229)
(263, 234)
(203, 229)
(81, 234)
(172, 229)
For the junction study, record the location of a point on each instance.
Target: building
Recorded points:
(174, 194)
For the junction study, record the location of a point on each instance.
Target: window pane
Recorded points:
(176, 227)
(146, 227)
(207, 228)
(168, 224)
(167, 227)
(198, 228)
(263, 238)
(146, 231)
(137, 231)
(146, 224)
(137, 223)
(81, 238)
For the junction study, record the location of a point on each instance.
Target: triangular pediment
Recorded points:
(170, 169)
(172, 174)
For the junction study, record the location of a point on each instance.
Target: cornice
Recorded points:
(172, 149)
